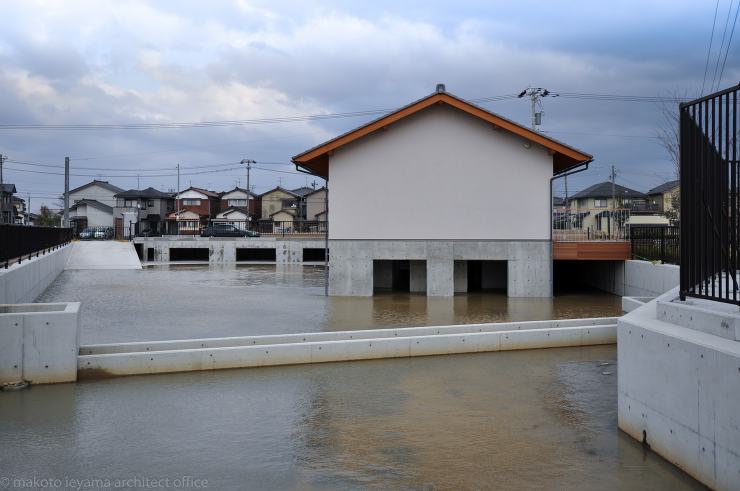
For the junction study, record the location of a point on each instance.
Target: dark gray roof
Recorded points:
(666, 186)
(237, 188)
(302, 191)
(558, 201)
(94, 204)
(148, 193)
(102, 184)
(242, 209)
(8, 188)
(278, 188)
(604, 190)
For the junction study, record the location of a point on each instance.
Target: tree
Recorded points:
(46, 217)
(669, 137)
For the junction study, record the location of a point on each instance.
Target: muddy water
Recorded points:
(186, 301)
(539, 419)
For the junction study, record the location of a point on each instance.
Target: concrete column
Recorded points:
(382, 274)
(418, 277)
(440, 269)
(164, 253)
(461, 276)
(351, 269)
(228, 254)
(529, 278)
(289, 251)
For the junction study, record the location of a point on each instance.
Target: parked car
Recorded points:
(150, 233)
(86, 234)
(226, 230)
(103, 233)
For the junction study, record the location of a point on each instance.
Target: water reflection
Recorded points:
(543, 419)
(185, 301)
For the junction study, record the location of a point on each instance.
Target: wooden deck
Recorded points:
(592, 251)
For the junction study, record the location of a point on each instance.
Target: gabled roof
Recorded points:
(604, 190)
(302, 191)
(94, 203)
(316, 159)
(102, 184)
(237, 188)
(210, 194)
(278, 188)
(232, 209)
(666, 186)
(148, 193)
(8, 188)
(317, 190)
(289, 211)
(558, 201)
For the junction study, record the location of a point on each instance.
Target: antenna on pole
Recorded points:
(536, 94)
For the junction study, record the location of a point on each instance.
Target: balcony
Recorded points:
(591, 234)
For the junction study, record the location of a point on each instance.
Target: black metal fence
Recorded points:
(656, 243)
(20, 242)
(263, 227)
(710, 222)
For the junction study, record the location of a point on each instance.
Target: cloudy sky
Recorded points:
(131, 61)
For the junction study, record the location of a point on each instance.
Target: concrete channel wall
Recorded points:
(24, 282)
(630, 278)
(678, 385)
(288, 250)
(210, 354)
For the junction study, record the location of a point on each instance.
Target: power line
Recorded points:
(722, 43)
(709, 51)
(729, 43)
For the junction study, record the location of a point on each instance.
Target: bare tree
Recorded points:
(669, 137)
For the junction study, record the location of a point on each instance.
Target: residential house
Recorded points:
(278, 199)
(558, 203)
(473, 237)
(7, 214)
(238, 198)
(93, 193)
(20, 214)
(148, 208)
(316, 204)
(666, 198)
(194, 207)
(605, 208)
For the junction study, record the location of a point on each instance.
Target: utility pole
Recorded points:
(28, 210)
(138, 185)
(66, 192)
(612, 178)
(248, 163)
(3, 158)
(536, 94)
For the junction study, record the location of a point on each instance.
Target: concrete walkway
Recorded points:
(103, 254)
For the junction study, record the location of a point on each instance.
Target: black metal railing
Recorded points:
(21, 242)
(263, 227)
(710, 218)
(656, 243)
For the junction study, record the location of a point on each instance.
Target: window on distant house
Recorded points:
(237, 202)
(191, 202)
(150, 203)
(129, 203)
(600, 203)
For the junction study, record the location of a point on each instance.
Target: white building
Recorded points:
(91, 205)
(440, 197)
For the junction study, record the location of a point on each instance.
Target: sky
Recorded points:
(129, 62)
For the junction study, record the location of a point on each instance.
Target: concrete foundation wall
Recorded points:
(24, 282)
(529, 264)
(679, 389)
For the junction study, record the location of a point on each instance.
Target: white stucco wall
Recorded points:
(95, 217)
(440, 174)
(94, 192)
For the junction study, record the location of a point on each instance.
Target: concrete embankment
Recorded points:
(255, 351)
(106, 254)
(23, 282)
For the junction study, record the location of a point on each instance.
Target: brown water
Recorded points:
(193, 301)
(538, 419)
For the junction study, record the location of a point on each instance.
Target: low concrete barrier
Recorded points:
(256, 351)
(24, 282)
(679, 385)
(647, 279)
(631, 303)
(39, 342)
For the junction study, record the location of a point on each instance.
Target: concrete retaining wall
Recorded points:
(24, 282)
(679, 389)
(288, 250)
(630, 278)
(39, 342)
(338, 346)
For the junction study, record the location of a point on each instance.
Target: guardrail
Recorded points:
(21, 241)
(597, 224)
